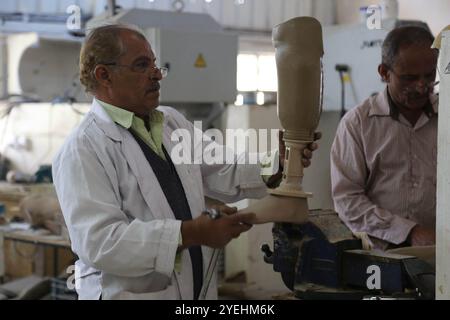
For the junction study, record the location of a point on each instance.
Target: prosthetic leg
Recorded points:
(299, 51)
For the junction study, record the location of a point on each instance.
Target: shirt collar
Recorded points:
(125, 118)
(118, 115)
(383, 105)
(379, 105)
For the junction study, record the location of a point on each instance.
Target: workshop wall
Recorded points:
(433, 12)
(255, 15)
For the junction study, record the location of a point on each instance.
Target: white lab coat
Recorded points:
(120, 223)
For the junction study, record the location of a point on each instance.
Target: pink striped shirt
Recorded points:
(383, 171)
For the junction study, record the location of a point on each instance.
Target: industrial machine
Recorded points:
(40, 59)
(39, 74)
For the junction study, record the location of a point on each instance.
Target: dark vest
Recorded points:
(176, 197)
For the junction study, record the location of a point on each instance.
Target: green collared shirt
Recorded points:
(151, 133)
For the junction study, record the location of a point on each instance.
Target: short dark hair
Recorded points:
(401, 37)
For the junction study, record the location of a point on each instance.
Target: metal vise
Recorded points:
(321, 259)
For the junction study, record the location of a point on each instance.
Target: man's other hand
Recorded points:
(421, 236)
(215, 233)
(307, 152)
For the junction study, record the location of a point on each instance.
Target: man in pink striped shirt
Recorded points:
(383, 159)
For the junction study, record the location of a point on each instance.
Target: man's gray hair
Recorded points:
(404, 37)
(102, 45)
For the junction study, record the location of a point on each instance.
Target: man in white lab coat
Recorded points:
(135, 216)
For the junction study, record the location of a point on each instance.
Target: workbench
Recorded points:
(34, 243)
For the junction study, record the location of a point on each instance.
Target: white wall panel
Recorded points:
(64, 4)
(434, 12)
(243, 14)
(213, 8)
(145, 4)
(259, 15)
(196, 6)
(49, 6)
(8, 6)
(276, 13)
(323, 10)
(228, 13)
(99, 6)
(126, 4)
(27, 6)
(305, 7)
(291, 9)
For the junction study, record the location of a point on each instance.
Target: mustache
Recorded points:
(413, 94)
(154, 87)
(417, 96)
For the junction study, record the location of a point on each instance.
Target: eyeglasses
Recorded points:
(409, 80)
(141, 67)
